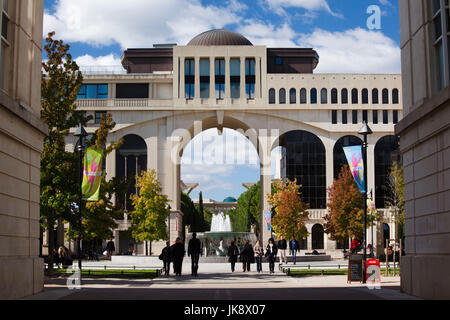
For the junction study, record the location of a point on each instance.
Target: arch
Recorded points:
(334, 96)
(292, 96)
(303, 96)
(375, 96)
(339, 159)
(324, 96)
(355, 96)
(383, 162)
(282, 96)
(131, 159)
(365, 96)
(305, 161)
(313, 96)
(272, 96)
(317, 233)
(344, 96)
(395, 97)
(385, 96)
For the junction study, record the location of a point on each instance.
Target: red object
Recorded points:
(371, 263)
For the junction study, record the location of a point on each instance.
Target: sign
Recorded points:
(92, 176)
(355, 268)
(373, 271)
(268, 219)
(355, 161)
(371, 206)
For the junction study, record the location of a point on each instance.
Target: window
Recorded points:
(355, 96)
(385, 96)
(4, 17)
(205, 66)
(278, 61)
(98, 116)
(355, 116)
(313, 96)
(293, 96)
(365, 96)
(219, 71)
(189, 79)
(385, 117)
(365, 116)
(235, 78)
(132, 91)
(395, 99)
(93, 91)
(272, 96)
(303, 97)
(395, 116)
(375, 98)
(324, 96)
(375, 116)
(334, 96)
(282, 96)
(344, 117)
(334, 116)
(344, 96)
(440, 41)
(250, 79)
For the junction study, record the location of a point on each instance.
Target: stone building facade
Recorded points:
(168, 95)
(21, 143)
(425, 141)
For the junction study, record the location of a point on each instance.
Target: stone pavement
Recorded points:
(216, 282)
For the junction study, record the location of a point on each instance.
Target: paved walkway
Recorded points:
(216, 282)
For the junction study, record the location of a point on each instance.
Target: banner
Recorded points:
(355, 161)
(92, 176)
(268, 219)
(371, 206)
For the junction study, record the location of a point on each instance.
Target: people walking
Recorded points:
(178, 253)
(282, 247)
(233, 253)
(247, 255)
(194, 249)
(166, 257)
(294, 247)
(110, 248)
(271, 254)
(259, 253)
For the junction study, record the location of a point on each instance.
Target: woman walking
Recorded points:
(271, 254)
(233, 253)
(259, 253)
(247, 256)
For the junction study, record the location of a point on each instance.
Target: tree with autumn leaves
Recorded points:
(345, 218)
(290, 211)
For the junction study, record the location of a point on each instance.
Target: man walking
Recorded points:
(194, 249)
(282, 247)
(178, 255)
(294, 246)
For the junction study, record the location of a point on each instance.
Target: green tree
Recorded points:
(60, 83)
(290, 211)
(396, 197)
(148, 220)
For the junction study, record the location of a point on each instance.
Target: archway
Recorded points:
(383, 162)
(317, 237)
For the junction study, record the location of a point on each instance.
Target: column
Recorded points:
(258, 88)
(182, 86)
(197, 80)
(243, 91)
(227, 81)
(212, 81)
(266, 183)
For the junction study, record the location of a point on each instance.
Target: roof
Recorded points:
(220, 37)
(230, 200)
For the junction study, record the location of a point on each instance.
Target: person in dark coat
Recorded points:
(271, 254)
(233, 253)
(294, 246)
(178, 253)
(247, 255)
(194, 249)
(166, 256)
(282, 247)
(110, 248)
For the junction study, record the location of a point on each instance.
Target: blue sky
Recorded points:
(99, 31)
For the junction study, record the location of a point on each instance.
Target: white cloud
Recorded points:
(353, 51)
(260, 33)
(310, 5)
(106, 22)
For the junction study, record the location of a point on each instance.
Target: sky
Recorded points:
(99, 30)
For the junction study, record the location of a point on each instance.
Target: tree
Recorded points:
(346, 214)
(148, 220)
(248, 209)
(290, 211)
(60, 83)
(396, 197)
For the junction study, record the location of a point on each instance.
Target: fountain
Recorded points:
(217, 241)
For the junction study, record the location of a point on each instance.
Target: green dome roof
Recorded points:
(230, 199)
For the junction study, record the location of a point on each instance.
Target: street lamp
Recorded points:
(81, 134)
(365, 131)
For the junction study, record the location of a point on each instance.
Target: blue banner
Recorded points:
(355, 161)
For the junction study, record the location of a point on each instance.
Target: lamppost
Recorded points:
(365, 131)
(371, 229)
(81, 134)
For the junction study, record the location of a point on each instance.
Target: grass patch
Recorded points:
(122, 274)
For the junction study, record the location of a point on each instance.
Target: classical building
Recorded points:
(169, 94)
(21, 144)
(218, 206)
(425, 141)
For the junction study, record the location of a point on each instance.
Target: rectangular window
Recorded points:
(375, 116)
(344, 117)
(278, 61)
(93, 91)
(219, 72)
(132, 91)
(250, 79)
(385, 117)
(4, 21)
(189, 78)
(334, 117)
(395, 116)
(355, 116)
(204, 78)
(235, 78)
(98, 116)
(365, 116)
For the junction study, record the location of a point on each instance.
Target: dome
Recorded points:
(220, 37)
(230, 200)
